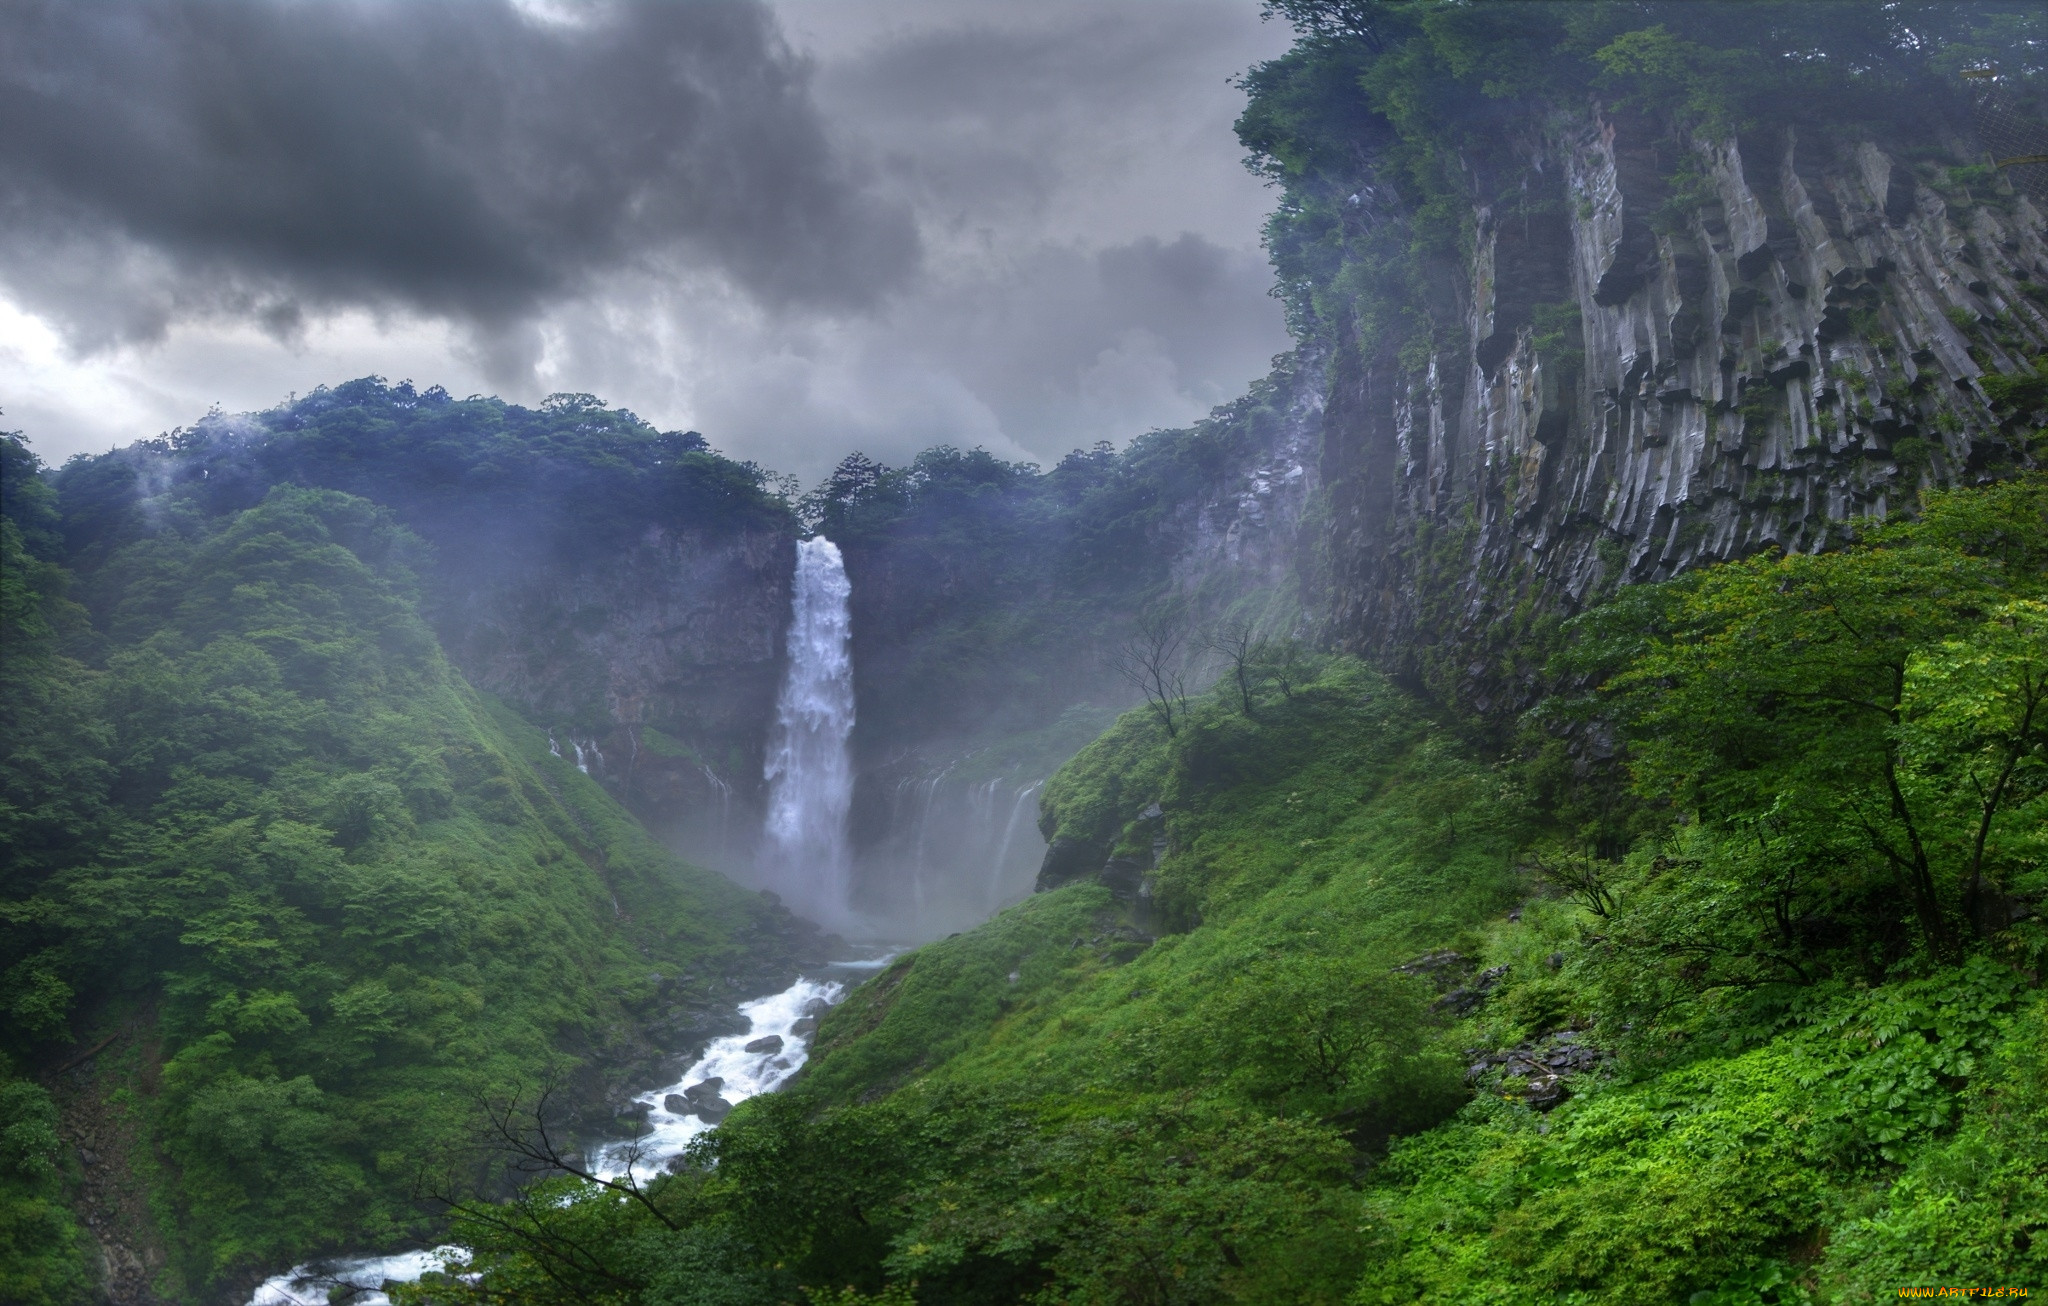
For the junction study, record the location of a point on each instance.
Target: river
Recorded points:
(745, 1074)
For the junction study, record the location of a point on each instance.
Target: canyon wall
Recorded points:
(655, 668)
(1715, 348)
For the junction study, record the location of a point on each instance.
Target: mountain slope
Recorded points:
(320, 893)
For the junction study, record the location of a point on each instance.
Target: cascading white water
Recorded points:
(810, 768)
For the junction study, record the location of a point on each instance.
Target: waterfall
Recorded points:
(1002, 857)
(810, 769)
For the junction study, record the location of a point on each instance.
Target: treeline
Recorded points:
(473, 476)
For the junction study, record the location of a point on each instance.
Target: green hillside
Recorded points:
(1381, 1025)
(320, 894)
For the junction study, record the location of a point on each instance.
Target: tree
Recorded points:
(1880, 708)
(1235, 643)
(1151, 660)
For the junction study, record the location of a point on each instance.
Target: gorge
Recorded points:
(1543, 798)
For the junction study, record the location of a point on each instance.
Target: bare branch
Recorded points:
(1152, 660)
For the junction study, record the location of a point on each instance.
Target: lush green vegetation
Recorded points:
(1808, 1062)
(1772, 972)
(254, 822)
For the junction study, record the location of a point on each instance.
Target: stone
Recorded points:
(770, 1044)
(676, 1104)
(713, 1109)
(804, 1026)
(704, 1088)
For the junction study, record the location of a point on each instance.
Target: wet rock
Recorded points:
(676, 1104)
(1539, 1071)
(772, 1043)
(1463, 1001)
(1068, 859)
(712, 1109)
(704, 1088)
(1730, 389)
(1443, 968)
(804, 1026)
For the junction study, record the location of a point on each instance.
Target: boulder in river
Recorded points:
(804, 1026)
(772, 1043)
(676, 1104)
(712, 1109)
(704, 1088)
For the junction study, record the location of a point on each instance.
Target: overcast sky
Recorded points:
(801, 228)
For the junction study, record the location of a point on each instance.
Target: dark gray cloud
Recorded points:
(1036, 213)
(468, 159)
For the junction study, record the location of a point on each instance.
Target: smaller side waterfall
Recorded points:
(810, 768)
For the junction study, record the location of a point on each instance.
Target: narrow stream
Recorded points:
(789, 1016)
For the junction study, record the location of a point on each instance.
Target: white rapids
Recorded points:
(746, 1074)
(364, 1276)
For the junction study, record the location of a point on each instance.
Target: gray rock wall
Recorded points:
(656, 667)
(1781, 339)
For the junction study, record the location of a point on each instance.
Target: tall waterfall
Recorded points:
(810, 769)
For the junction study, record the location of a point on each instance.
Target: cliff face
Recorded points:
(1249, 536)
(1717, 348)
(657, 668)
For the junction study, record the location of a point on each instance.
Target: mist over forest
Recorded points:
(1540, 796)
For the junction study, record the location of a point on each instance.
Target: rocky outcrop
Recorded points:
(1245, 537)
(1714, 348)
(656, 668)
(1539, 1072)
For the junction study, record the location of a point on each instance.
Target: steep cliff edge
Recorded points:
(1801, 348)
(1609, 292)
(656, 666)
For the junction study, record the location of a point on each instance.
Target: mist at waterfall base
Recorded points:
(944, 850)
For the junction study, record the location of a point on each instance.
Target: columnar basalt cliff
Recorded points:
(1706, 349)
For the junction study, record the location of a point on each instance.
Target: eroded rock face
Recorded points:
(658, 666)
(1246, 535)
(1781, 338)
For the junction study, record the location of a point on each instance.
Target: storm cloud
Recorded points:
(464, 158)
(801, 228)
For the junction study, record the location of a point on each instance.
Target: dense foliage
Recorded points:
(323, 895)
(1787, 1077)
(1330, 1007)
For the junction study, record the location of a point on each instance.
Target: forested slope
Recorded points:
(1353, 1013)
(285, 897)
